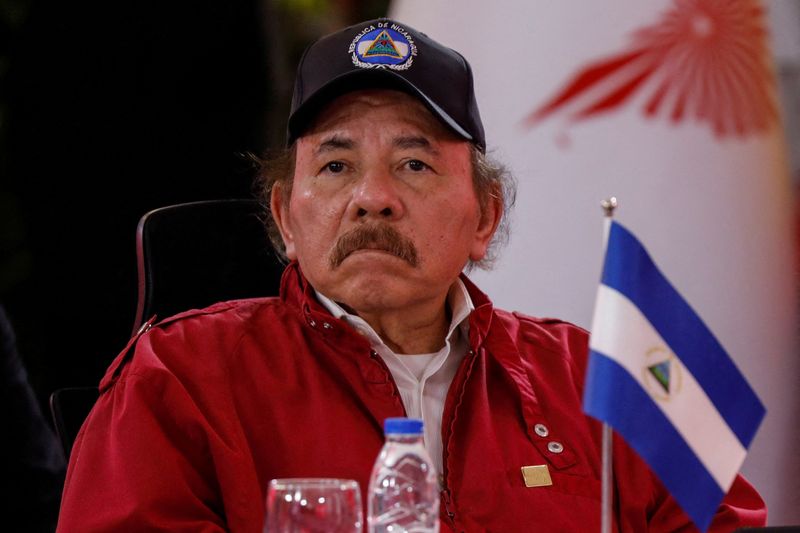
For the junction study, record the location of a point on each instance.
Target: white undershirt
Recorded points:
(422, 379)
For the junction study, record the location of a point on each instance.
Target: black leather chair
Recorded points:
(195, 254)
(189, 256)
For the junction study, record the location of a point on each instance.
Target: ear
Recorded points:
(490, 217)
(279, 205)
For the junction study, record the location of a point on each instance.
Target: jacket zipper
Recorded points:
(445, 492)
(447, 497)
(374, 355)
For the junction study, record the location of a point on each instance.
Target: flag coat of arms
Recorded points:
(660, 378)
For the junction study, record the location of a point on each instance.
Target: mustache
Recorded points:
(382, 237)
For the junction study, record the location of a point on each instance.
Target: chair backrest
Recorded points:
(189, 256)
(195, 254)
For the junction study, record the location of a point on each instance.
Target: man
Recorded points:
(382, 199)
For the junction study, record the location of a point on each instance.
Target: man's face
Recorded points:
(383, 214)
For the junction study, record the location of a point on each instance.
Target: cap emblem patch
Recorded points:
(385, 45)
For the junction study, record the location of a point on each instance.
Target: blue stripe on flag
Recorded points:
(630, 270)
(614, 396)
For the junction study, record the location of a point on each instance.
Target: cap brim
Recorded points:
(355, 80)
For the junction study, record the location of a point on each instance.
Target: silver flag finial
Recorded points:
(609, 205)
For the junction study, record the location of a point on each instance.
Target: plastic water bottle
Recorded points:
(403, 489)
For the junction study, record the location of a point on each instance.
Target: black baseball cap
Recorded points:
(384, 53)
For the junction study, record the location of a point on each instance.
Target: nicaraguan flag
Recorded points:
(660, 378)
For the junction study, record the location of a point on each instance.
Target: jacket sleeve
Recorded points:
(137, 466)
(149, 459)
(741, 507)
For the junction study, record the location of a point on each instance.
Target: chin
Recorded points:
(374, 280)
(374, 289)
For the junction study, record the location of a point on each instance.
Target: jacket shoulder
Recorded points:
(544, 342)
(548, 333)
(196, 337)
(243, 310)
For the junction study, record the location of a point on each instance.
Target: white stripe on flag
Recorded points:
(703, 429)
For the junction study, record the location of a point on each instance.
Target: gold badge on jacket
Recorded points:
(536, 476)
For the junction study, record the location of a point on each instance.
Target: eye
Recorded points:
(334, 167)
(416, 165)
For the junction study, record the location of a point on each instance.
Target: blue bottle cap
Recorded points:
(406, 426)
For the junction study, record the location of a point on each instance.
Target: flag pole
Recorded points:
(608, 205)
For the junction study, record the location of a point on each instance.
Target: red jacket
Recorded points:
(210, 405)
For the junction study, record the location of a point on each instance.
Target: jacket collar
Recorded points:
(481, 318)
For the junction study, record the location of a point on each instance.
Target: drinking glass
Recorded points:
(313, 505)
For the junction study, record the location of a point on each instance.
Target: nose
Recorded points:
(376, 196)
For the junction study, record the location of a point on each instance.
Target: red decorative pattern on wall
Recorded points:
(707, 59)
